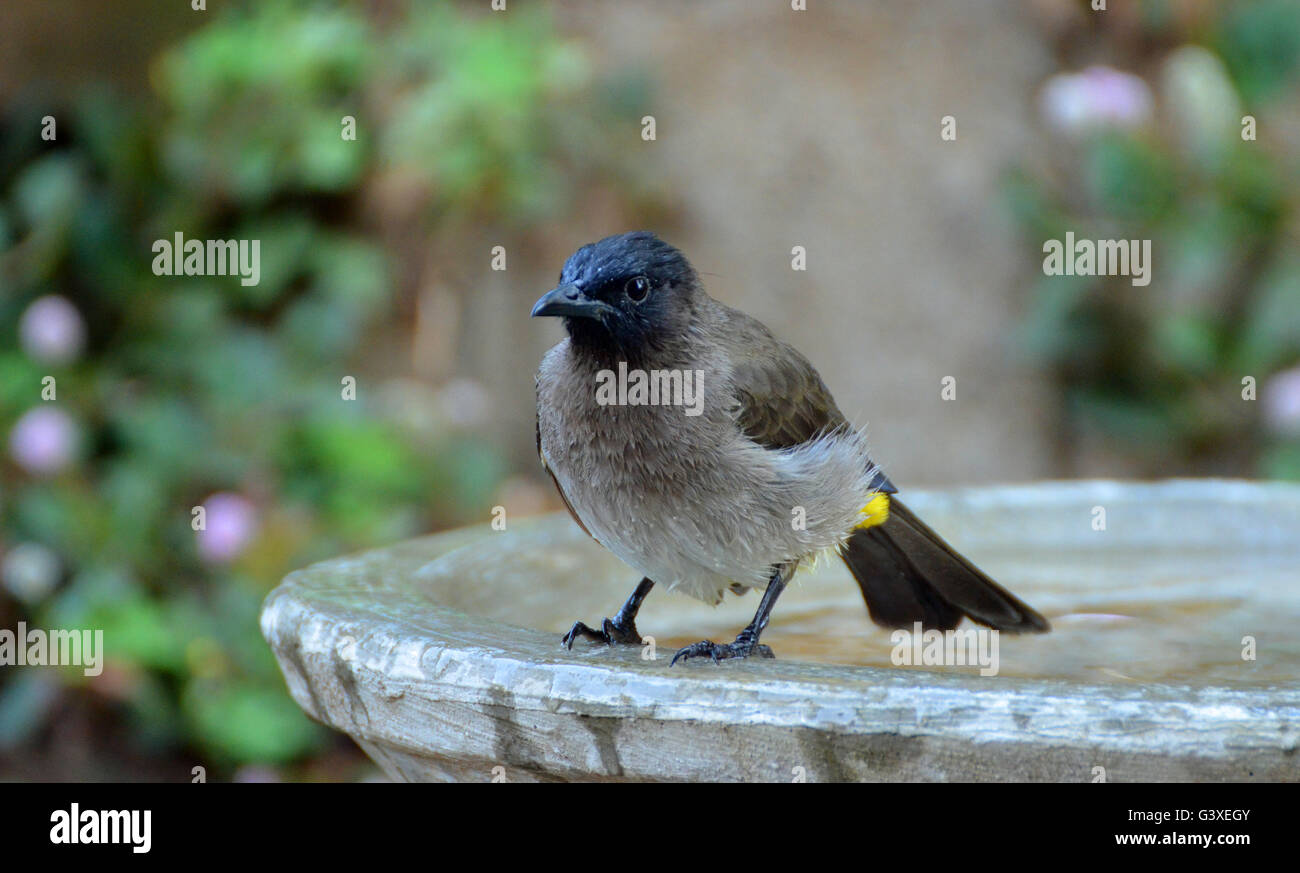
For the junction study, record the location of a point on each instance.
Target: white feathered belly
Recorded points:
(718, 517)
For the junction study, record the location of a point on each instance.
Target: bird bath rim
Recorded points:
(432, 691)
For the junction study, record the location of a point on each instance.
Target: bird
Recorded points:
(738, 486)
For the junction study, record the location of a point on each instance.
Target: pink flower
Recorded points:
(1281, 401)
(1097, 97)
(51, 330)
(230, 521)
(43, 440)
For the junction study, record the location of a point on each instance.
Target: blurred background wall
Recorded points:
(523, 129)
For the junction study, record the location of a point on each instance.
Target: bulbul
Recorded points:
(737, 485)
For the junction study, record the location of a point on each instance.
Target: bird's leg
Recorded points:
(621, 628)
(746, 643)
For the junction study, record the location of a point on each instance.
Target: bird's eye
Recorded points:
(637, 288)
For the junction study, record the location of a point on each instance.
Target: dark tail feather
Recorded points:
(907, 574)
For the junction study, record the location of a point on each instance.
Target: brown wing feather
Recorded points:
(781, 401)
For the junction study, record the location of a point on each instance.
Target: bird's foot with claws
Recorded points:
(745, 646)
(611, 631)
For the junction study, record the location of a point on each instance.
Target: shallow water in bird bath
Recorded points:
(1120, 616)
(1182, 574)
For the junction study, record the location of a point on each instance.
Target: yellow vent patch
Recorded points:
(875, 512)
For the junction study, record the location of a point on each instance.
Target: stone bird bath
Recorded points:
(440, 656)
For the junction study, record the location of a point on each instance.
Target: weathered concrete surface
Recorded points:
(426, 654)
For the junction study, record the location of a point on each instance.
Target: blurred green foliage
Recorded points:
(190, 386)
(1158, 371)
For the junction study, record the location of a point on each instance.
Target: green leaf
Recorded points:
(1260, 42)
(1128, 178)
(247, 723)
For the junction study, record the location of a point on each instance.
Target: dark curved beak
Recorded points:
(569, 301)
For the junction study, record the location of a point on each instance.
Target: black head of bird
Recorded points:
(626, 294)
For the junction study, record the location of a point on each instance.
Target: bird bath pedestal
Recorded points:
(1173, 655)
